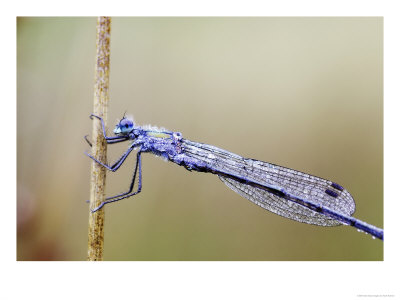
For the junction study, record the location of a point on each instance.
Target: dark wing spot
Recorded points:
(332, 193)
(337, 186)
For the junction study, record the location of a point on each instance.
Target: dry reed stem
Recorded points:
(99, 147)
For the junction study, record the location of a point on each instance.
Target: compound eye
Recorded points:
(126, 124)
(124, 127)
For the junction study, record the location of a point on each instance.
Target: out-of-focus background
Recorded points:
(306, 93)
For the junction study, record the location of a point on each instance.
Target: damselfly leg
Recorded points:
(117, 164)
(87, 140)
(109, 139)
(129, 193)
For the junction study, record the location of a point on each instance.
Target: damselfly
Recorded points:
(286, 192)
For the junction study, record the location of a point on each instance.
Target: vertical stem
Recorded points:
(99, 147)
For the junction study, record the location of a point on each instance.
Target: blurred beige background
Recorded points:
(306, 93)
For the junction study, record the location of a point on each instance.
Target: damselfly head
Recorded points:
(124, 127)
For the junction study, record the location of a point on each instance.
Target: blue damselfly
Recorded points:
(286, 192)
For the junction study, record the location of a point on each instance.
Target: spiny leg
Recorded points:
(137, 165)
(87, 140)
(109, 139)
(128, 194)
(122, 139)
(117, 164)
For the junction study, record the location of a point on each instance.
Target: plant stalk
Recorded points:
(99, 145)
